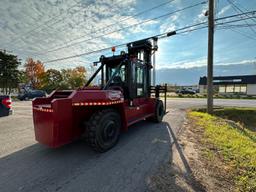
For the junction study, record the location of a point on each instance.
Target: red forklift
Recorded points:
(123, 97)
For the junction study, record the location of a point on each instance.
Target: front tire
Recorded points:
(159, 112)
(103, 130)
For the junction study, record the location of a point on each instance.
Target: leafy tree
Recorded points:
(23, 80)
(66, 75)
(22, 77)
(51, 80)
(78, 77)
(8, 72)
(35, 71)
(73, 78)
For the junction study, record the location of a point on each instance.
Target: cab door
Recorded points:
(138, 107)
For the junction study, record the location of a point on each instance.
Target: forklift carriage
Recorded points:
(124, 97)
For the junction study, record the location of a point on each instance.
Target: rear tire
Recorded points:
(103, 130)
(159, 112)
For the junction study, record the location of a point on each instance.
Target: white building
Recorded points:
(239, 85)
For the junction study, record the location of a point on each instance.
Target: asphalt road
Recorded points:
(28, 166)
(183, 103)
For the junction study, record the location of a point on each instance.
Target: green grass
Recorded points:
(246, 117)
(236, 145)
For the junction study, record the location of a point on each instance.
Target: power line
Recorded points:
(232, 21)
(176, 31)
(231, 27)
(251, 12)
(244, 8)
(237, 9)
(52, 19)
(113, 24)
(41, 25)
(241, 33)
(62, 19)
(107, 9)
(237, 15)
(170, 13)
(226, 26)
(127, 27)
(162, 35)
(57, 21)
(241, 25)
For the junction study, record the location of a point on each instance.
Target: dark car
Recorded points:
(5, 105)
(31, 94)
(186, 91)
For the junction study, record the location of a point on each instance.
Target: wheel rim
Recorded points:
(109, 131)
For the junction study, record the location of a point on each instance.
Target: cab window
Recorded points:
(140, 81)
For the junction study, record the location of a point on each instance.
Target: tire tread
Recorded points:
(91, 128)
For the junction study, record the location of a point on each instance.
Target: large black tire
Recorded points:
(159, 112)
(103, 130)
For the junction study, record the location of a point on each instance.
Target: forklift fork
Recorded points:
(160, 89)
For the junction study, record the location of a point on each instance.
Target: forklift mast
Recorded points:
(143, 51)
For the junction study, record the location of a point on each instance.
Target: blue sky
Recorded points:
(31, 28)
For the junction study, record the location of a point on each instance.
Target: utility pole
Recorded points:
(154, 61)
(210, 57)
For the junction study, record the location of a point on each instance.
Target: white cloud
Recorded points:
(186, 64)
(54, 26)
(174, 18)
(201, 16)
(116, 35)
(171, 23)
(224, 10)
(247, 61)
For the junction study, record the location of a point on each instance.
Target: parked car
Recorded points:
(5, 105)
(31, 94)
(186, 91)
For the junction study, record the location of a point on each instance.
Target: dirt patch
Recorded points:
(194, 165)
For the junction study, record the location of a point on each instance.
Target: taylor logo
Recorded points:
(114, 95)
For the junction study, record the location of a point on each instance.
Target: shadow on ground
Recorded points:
(141, 152)
(171, 177)
(75, 167)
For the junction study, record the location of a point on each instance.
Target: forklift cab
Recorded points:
(128, 72)
(128, 77)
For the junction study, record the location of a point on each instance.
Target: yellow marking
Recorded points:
(43, 110)
(97, 103)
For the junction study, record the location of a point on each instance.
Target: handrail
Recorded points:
(94, 75)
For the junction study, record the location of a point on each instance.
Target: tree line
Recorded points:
(33, 74)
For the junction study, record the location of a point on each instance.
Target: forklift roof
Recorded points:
(113, 60)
